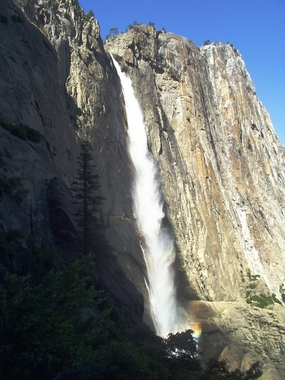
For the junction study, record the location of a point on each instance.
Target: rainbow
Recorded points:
(197, 328)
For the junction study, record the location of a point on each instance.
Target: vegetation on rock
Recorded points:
(253, 297)
(3, 19)
(85, 189)
(13, 187)
(17, 18)
(89, 15)
(282, 291)
(54, 323)
(24, 132)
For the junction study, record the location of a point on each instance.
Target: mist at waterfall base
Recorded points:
(158, 247)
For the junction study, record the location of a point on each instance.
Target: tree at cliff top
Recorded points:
(85, 188)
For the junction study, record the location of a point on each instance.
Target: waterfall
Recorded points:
(158, 246)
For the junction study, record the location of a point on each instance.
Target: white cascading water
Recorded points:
(158, 248)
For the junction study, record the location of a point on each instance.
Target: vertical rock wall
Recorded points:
(57, 79)
(221, 163)
(222, 169)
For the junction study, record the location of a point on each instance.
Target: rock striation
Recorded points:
(220, 161)
(222, 169)
(221, 164)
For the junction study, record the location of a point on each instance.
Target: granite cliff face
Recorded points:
(57, 79)
(220, 162)
(222, 169)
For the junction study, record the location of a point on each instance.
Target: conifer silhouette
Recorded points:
(85, 188)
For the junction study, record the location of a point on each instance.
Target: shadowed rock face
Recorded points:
(56, 78)
(220, 162)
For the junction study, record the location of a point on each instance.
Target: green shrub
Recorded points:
(10, 248)
(25, 256)
(252, 286)
(13, 187)
(113, 32)
(254, 277)
(275, 299)
(261, 301)
(14, 182)
(17, 18)
(33, 135)
(41, 330)
(89, 15)
(24, 132)
(258, 300)
(3, 19)
(20, 195)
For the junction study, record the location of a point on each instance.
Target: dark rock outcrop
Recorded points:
(56, 79)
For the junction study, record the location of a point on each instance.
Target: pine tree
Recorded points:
(85, 188)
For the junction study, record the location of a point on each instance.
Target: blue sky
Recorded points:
(255, 27)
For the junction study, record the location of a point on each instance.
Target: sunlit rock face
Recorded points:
(221, 163)
(242, 335)
(222, 169)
